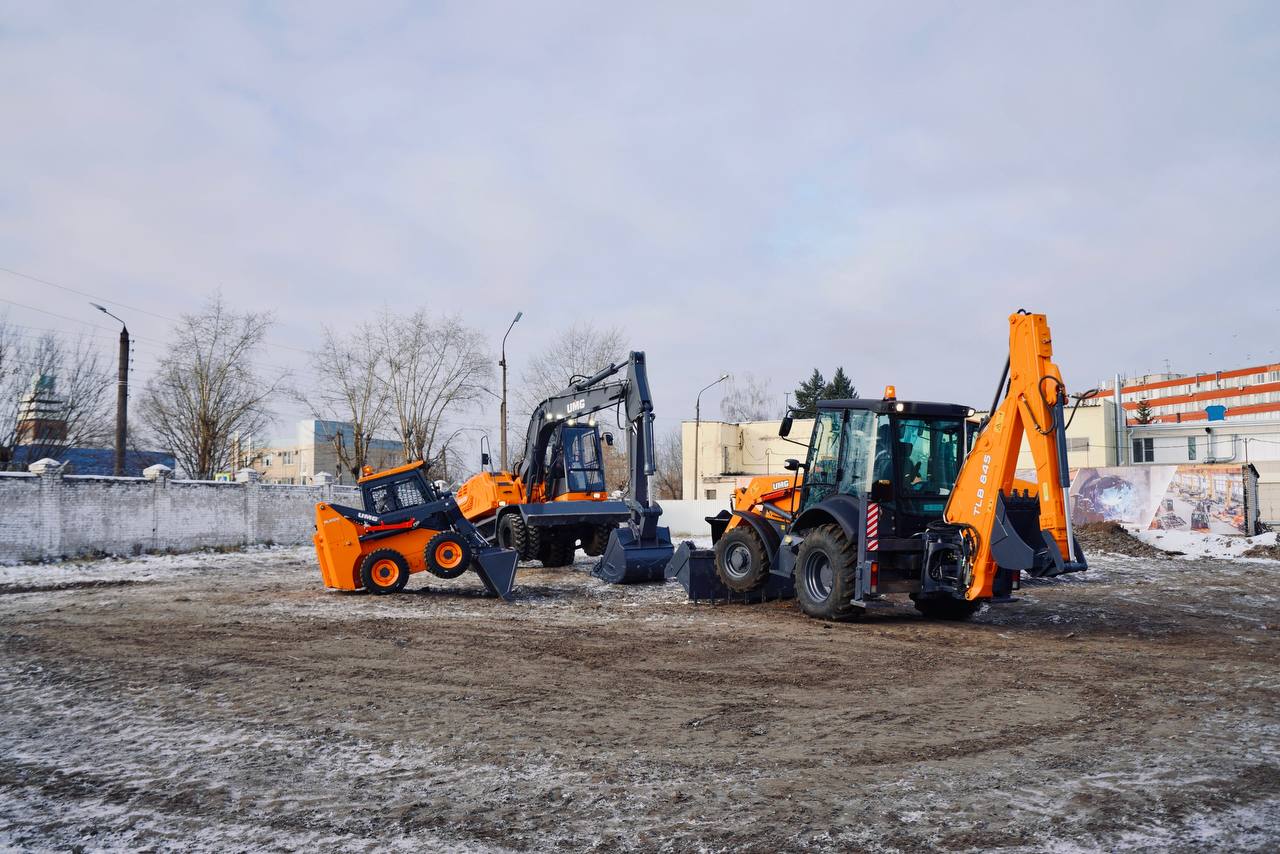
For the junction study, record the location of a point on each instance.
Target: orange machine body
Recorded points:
(340, 551)
(765, 496)
(1027, 410)
(486, 493)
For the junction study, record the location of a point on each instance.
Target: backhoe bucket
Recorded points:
(497, 569)
(630, 560)
(1018, 543)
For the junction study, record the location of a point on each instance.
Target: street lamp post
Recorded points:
(122, 392)
(503, 363)
(697, 430)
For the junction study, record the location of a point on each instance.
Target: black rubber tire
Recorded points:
(376, 562)
(826, 575)
(447, 555)
(513, 533)
(742, 560)
(559, 548)
(596, 539)
(946, 608)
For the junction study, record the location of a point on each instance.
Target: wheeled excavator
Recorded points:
(407, 525)
(896, 496)
(556, 497)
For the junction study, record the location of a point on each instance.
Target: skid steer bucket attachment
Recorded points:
(497, 569)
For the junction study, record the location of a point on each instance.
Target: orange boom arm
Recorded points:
(1019, 531)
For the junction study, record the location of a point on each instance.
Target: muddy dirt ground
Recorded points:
(229, 701)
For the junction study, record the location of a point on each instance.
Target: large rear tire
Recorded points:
(447, 555)
(826, 575)
(384, 571)
(946, 608)
(742, 560)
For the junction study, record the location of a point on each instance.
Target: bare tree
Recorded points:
(434, 368)
(207, 388)
(748, 399)
(578, 351)
(351, 392)
(56, 394)
(668, 480)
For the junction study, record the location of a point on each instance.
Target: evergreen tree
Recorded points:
(840, 387)
(808, 393)
(1143, 415)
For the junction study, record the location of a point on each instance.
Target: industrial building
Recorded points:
(1251, 393)
(315, 452)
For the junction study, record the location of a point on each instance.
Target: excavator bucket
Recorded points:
(497, 569)
(632, 559)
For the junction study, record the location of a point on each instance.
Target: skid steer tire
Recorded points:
(742, 561)
(384, 571)
(826, 575)
(947, 609)
(597, 539)
(447, 555)
(558, 548)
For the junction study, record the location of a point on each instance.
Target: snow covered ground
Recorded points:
(1194, 545)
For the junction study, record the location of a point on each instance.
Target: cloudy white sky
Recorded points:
(763, 187)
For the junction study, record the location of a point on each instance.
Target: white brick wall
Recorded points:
(51, 515)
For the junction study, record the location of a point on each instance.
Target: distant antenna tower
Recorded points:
(1168, 369)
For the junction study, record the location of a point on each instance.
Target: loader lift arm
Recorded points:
(999, 529)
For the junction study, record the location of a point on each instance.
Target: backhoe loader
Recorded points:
(407, 526)
(556, 497)
(891, 498)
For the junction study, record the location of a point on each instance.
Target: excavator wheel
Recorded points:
(384, 571)
(597, 539)
(558, 548)
(742, 561)
(447, 555)
(514, 534)
(946, 608)
(826, 575)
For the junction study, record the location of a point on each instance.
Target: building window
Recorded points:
(1144, 451)
(1191, 447)
(711, 494)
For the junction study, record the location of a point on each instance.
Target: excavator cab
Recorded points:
(574, 464)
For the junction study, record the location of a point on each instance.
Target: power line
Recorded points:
(84, 293)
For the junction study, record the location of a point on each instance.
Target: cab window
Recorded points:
(930, 451)
(822, 475)
(409, 494)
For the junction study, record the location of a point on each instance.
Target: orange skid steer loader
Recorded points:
(408, 526)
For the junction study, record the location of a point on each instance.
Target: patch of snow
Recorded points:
(1196, 545)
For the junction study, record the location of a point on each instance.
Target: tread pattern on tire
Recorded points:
(366, 571)
(429, 556)
(524, 539)
(843, 555)
(597, 539)
(760, 559)
(558, 548)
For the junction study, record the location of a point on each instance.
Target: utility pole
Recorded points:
(697, 430)
(503, 363)
(122, 393)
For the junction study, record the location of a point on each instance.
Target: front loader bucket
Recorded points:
(631, 560)
(497, 569)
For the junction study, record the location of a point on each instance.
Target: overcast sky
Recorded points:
(763, 188)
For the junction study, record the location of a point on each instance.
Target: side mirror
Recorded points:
(881, 490)
(484, 459)
(784, 429)
(608, 439)
(792, 465)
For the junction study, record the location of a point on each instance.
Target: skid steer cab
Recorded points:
(408, 526)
